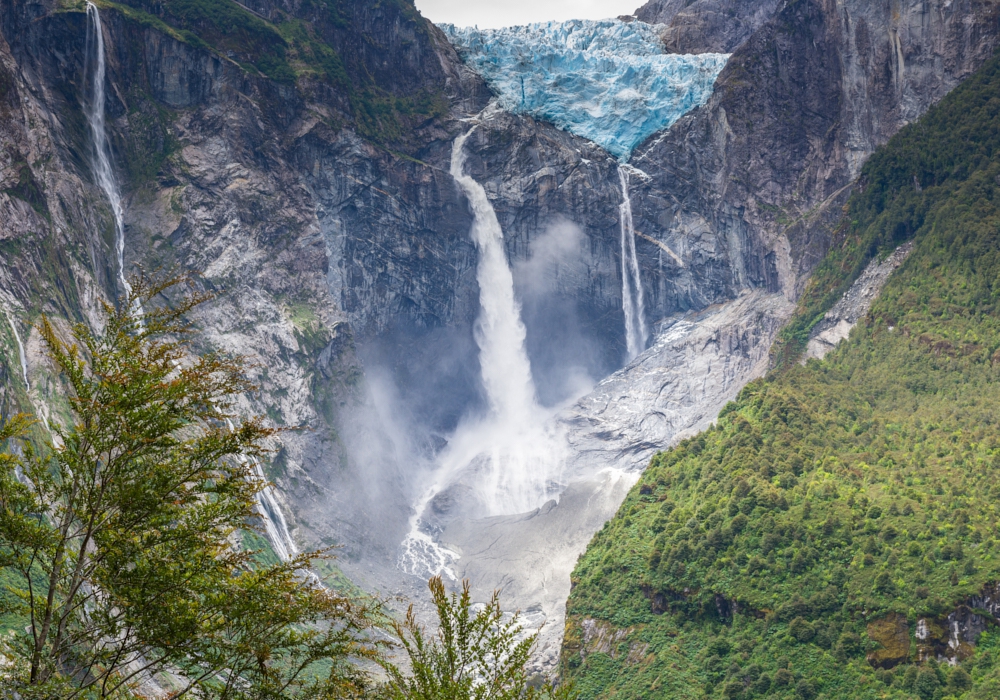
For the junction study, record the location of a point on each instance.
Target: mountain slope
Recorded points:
(840, 517)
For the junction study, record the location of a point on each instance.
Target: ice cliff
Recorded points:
(608, 81)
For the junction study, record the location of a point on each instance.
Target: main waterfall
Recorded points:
(512, 455)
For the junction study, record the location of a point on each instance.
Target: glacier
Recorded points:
(608, 81)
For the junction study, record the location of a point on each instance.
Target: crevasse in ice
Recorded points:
(608, 81)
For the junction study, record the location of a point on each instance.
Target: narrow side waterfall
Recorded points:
(100, 148)
(511, 457)
(20, 351)
(633, 303)
(275, 525)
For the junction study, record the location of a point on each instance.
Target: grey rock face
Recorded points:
(763, 169)
(697, 363)
(706, 26)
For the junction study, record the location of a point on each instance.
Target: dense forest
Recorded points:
(834, 534)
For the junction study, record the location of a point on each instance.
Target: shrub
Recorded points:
(805, 689)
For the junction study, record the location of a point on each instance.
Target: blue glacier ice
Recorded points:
(608, 81)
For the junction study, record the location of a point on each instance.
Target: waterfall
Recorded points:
(39, 406)
(511, 456)
(274, 520)
(633, 303)
(275, 525)
(516, 456)
(500, 334)
(20, 351)
(100, 148)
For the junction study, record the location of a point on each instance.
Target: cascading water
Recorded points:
(100, 148)
(500, 334)
(633, 302)
(512, 454)
(275, 525)
(20, 351)
(516, 477)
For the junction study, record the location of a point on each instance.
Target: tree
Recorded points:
(118, 534)
(474, 655)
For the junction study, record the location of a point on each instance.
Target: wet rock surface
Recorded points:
(892, 634)
(949, 637)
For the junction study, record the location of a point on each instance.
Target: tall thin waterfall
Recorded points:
(100, 148)
(275, 525)
(633, 303)
(20, 351)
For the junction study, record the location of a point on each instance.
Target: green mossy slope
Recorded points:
(794, 549)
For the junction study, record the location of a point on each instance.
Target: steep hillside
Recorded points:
(835, 534)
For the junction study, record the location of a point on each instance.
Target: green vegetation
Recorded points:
(792, 550)
(474, 656)
(115, 543)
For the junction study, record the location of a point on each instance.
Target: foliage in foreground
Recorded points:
(117, 555)
(794, 546)
(475, 655)
(115, 537)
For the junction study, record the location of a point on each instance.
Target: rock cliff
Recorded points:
(706, 25)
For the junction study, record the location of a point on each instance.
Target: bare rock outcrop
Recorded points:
(852, 307)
